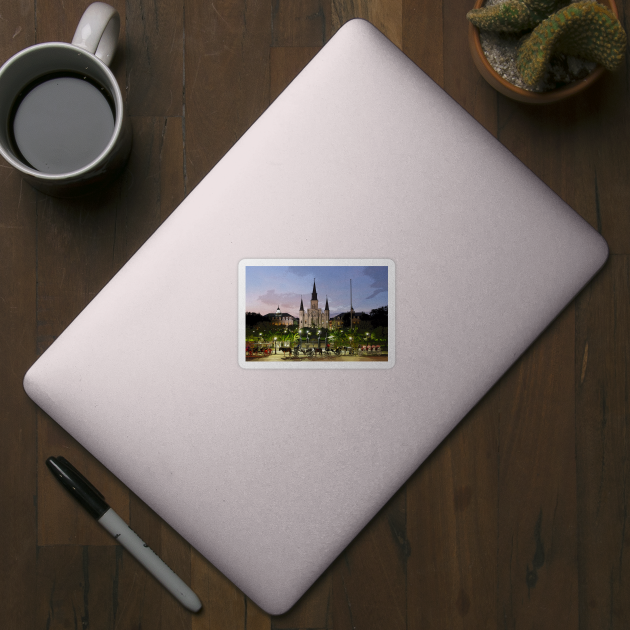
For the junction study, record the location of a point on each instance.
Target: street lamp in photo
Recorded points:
(318, 334)
(274, 345)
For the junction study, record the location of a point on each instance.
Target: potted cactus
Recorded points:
(558, 49)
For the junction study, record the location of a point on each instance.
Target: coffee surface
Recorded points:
(62, 124)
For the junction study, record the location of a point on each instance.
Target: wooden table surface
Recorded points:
(518, 520)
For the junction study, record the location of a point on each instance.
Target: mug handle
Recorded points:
(98, 30)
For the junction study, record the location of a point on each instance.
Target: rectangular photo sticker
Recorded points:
(316, 314)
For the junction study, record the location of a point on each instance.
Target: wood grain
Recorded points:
(300, 22)
(76, 587)
(422, 36)
(154, 57)
(18, 416)
(537, 510)
(602, 380)
(461, 79)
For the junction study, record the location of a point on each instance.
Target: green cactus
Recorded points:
(584, 29)
(513, 16)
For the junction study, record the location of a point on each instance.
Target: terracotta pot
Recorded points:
(518, 94)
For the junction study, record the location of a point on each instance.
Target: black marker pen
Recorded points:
(94, 502)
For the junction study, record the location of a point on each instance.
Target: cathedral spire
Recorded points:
(301, 305)
(314, 297)
(326, 309)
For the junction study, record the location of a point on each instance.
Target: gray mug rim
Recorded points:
(119, 103)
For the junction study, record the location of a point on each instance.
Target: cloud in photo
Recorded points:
(284, 300)
(378, 275)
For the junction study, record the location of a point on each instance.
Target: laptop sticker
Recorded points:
(316, 314)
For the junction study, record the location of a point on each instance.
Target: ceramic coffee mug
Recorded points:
(62, 115)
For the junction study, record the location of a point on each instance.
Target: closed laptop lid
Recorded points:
(362, 162)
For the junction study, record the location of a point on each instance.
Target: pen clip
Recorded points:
(62, 460)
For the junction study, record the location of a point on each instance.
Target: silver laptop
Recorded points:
(270, 452)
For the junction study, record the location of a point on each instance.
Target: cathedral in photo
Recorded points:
(314, 317)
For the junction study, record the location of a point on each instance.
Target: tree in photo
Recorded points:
(253, 319)
(378, 317)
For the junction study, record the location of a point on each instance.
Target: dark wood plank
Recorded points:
(57, 23)
(603, 443)
(369, 577)
(422, 36)
(537, 537)
(452, 527)
(226, 78)
(386, 15)
(18, 416)
(171, 160)
(76, 587)
(608, 126)
(300, 23)
(17, 28)
(154, 57)
(255, 618)
(461, 78)
(18, 422)
(608, 135)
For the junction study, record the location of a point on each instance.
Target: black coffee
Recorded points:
(61, 123)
